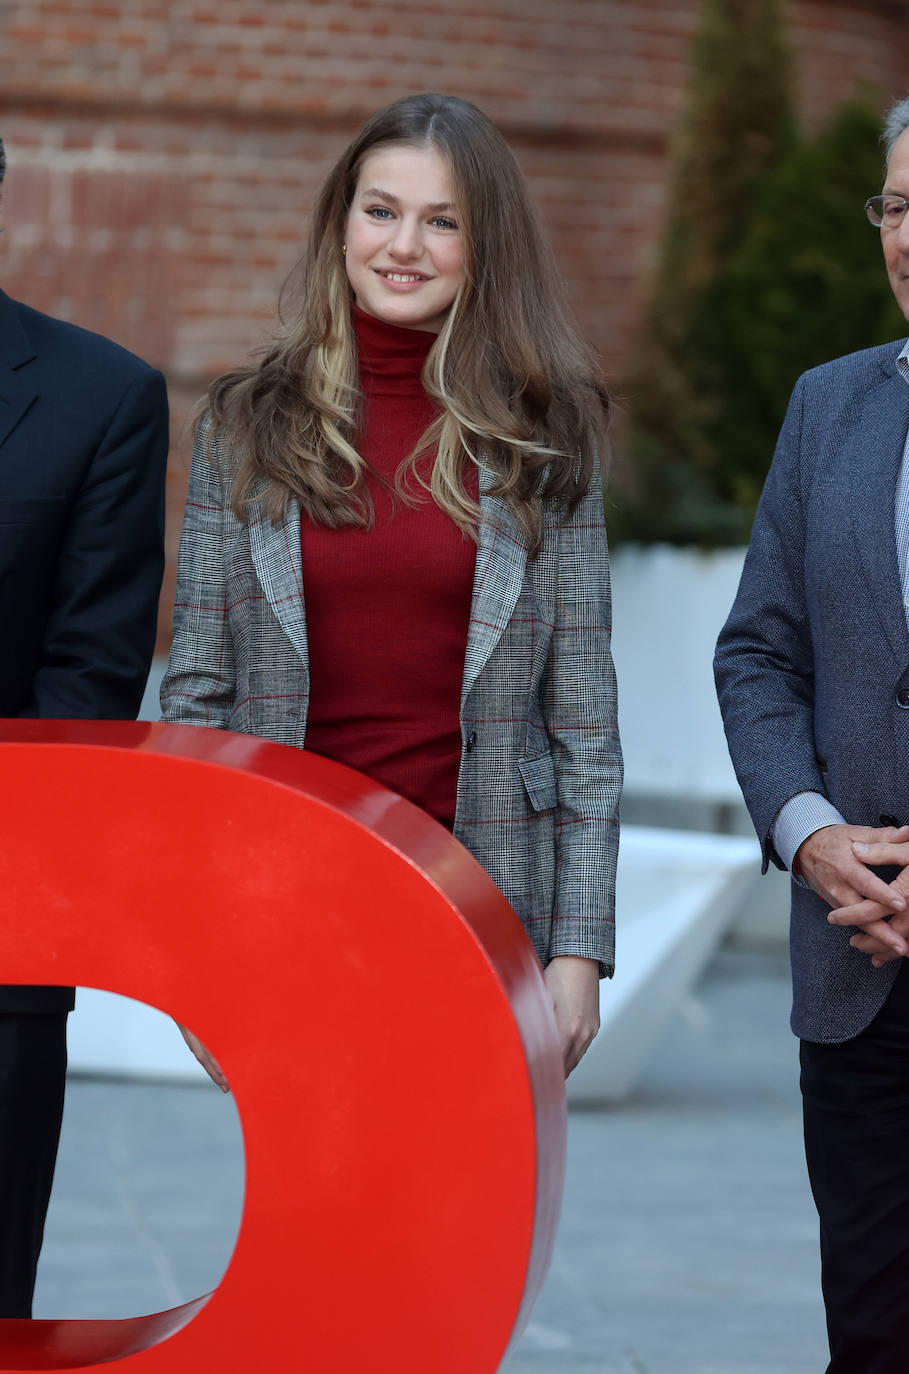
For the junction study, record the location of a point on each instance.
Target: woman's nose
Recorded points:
(405, 241)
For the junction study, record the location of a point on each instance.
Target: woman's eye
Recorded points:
(894, 210)
(379, 212)
(441, 222)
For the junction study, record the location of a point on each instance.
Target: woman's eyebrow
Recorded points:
(393, 200)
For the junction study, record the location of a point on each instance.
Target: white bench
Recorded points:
(677, 893)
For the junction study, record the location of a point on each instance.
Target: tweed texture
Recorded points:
(815, 649)
(541, 770)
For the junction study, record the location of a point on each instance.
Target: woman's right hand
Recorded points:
(205, 1058)
(574, 986)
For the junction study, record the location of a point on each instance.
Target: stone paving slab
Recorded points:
(688, 1241)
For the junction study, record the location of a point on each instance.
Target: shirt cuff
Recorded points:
(797, 819)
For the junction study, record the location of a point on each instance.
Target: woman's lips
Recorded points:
(401, 279)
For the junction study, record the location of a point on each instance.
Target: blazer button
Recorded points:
(472, 737)
(902, 699)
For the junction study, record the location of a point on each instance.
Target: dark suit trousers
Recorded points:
(856, 1109)
(32, 1072)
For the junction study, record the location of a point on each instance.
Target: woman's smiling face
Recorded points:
(405, 247)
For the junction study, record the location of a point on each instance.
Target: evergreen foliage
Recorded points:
(806, 284)
(768, 267)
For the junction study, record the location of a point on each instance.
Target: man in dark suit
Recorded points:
(812, 669)
(83, 448)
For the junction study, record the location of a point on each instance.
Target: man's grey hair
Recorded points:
(2, 160)
(896, 121)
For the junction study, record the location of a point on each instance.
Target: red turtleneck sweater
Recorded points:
(387, 608)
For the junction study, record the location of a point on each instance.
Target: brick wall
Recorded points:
(163, 153)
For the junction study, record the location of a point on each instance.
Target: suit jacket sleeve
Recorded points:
(580, 708)
(764, 663)
(199, 685)
(100, 635)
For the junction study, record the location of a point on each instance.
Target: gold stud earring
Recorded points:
(344, 249)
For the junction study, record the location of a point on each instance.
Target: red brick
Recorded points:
(183, 144)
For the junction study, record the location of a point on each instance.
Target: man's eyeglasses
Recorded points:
(886, 212)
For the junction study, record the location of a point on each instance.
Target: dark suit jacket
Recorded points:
(83, 449)
(815, 653)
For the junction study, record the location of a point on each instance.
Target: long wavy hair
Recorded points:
(517, 389)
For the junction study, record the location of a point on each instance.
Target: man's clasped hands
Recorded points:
(837, 861)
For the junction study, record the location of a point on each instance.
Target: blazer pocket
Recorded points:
(539, 779)
(30, 512)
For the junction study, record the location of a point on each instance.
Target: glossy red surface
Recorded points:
(375, 1005)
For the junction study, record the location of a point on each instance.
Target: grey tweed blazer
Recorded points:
(541, 769)
(815, 652)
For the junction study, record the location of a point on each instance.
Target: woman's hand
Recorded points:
(205, 1058)
(574, 986)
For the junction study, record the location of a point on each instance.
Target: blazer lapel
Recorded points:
(276, 556)
(498, 577)
(16, 392)
(497, 583)
(873, 474)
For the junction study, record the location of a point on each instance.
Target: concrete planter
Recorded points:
(668, 607)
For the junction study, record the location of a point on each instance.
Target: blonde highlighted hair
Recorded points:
(518, 390)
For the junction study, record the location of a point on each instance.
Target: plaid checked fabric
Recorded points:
(541, 768)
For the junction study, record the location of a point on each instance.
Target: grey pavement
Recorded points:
(688, 1241)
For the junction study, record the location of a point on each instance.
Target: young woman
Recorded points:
(393, 549)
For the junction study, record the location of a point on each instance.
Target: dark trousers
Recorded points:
(32, 1073)
(856, 1109)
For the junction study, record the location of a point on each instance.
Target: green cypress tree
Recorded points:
(805, 284)
(739, 123)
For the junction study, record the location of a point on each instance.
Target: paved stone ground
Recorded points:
(688, 1239)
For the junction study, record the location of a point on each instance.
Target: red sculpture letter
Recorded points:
(374, 1004)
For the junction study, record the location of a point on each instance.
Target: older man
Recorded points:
(83, 447)
(812, 670)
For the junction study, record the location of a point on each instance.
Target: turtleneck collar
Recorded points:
(391, 358)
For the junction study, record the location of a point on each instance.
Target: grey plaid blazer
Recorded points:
(541, 768)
